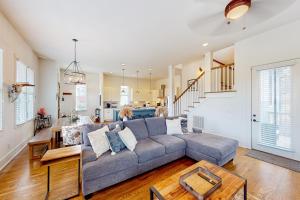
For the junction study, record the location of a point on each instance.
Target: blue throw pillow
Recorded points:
(116, 144)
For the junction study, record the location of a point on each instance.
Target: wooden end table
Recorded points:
(41, 138)
(170, 188)
(61, 155)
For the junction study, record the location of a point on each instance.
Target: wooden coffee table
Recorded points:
(171, 189)
(56, 156)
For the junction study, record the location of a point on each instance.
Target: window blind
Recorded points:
(81, 98)
(24, 106)
(275, 108)
(30, 94)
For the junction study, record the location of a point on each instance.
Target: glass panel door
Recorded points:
(274, 110)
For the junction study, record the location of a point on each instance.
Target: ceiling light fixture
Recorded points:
(205, 44)
(237, 8)
(123, 92)
(72, 75)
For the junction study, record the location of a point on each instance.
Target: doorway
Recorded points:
(276, 109)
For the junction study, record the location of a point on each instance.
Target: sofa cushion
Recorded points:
(138, 127)
(170, 142)
(87, 128)
(107, 164)
(113, 125)
(156, 126)
(147, 149)
(211, 145)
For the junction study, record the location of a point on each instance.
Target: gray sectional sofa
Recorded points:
(154, 148)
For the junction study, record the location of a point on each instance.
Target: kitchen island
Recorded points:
(137, 113)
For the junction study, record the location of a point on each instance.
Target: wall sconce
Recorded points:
(15, 89)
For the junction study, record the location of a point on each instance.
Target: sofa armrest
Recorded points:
(88, 155)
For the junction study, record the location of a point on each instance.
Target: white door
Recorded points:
(276, 109)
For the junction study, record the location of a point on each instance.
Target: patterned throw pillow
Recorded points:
(116, 144)
(71, 135)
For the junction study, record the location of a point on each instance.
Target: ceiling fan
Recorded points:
(221, 17)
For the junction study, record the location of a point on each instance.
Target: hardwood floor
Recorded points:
(24, 179)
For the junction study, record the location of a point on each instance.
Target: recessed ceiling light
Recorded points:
(110, 72)
(123, 64)
(237, 8)
(205, 44)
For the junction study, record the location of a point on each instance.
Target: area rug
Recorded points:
(276, 160)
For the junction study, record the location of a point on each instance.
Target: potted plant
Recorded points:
(42, 112)
(125, 113)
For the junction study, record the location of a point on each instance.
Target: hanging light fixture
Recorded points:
(123, 92)
(72, 75)
(237, 8)
(137, 82)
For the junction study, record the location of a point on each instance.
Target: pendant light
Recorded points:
(123, 92)
(72, 75)
(137, 82)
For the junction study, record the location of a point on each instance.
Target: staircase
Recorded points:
(191, 96)
(221, 80)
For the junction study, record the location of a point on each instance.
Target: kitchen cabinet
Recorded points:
(108, 114)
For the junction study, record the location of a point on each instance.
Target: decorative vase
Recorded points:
(125, 119)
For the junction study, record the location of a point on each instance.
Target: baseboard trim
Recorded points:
(12, 154)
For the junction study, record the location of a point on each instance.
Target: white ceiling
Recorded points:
(139, 33)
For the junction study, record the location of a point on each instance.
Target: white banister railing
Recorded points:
(222, 78)
(190, 96)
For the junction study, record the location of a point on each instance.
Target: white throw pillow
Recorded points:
(128, 138)
(173, 126)
(99, 141)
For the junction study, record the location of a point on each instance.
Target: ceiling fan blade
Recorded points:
(266, 9)
(205, 22)
(216, 24)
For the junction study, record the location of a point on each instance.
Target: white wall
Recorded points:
(48, 86)
(13, 138)
(93, 91)
(190, 70)
(230, 114)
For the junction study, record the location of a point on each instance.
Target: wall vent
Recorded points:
(198, 122)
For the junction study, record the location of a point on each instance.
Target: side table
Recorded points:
(61, 155)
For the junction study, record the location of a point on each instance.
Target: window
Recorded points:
(1, 86)
(81, 98)
(25, 101)
(124, 95)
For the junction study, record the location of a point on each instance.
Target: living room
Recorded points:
(162, 91)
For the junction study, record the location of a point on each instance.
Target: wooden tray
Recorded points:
(200, 182)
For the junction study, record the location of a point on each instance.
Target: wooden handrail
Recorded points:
(223, 66)
(216, 61)
(193, 83)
